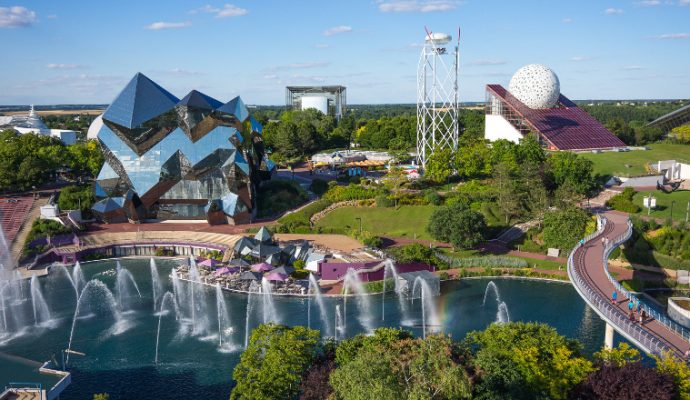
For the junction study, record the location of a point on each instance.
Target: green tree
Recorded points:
(525, 361)
(473, 160)
(72, 197)
(618, 356)
(397, 368)
(439, 166)
(631, 381)
(101, 396)
(564, 228)
(511, 197)
(678, 369)
(530, 151)
(272, 365)
(568, 168)
(458, 225)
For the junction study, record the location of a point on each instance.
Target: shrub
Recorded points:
(299, 264)
(163, 252)
(443, 275)
(624, 202)
(300, 273)
(74, 197)
(433, 198)
(383, 201)
(319, 186)
(350, 192)
(489, 262)
(298, 222)
(45, 227)
(277, 196)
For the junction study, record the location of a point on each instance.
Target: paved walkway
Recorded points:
(597, 290)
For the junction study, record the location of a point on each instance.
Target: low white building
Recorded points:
(672, 170)
(32, 123)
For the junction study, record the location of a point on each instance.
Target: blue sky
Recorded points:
(85, 52)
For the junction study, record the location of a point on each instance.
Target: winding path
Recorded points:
(588, 270)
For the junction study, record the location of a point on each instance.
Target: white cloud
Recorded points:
(16, 17)
(270, 76)
(64, 66)
(613, 11)
(312, 64)
(337, 29)
(673, 36)
(486, 62)
(633, 67)
(51, 16)
(322, 46)
(156, 26)
(567, 20)
(228, 10)
(580, 58)
(423, 6)
(684, 2)
(181, 72)
(648, 3)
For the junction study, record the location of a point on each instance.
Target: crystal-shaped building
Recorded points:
(195, 158)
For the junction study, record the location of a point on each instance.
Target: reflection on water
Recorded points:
(195, 366)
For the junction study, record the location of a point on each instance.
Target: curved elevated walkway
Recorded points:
(588, 270)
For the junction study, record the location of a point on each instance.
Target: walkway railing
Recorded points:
(660, 317)
(603, 305)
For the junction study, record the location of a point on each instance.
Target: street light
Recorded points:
(360, 224)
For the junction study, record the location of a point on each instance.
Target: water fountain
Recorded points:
(269, 308)
(38, 303)
(225, 328)
(156, 285)
(339, 326)
(201, 322)
(167, 298)
(491, 286)
(78, 278)
(62, 271)
(429, 314)
(352, 284)
(253, 288)
(502, 315)
(315, 289)
(91, 288)
(124, 283)
(389, 270)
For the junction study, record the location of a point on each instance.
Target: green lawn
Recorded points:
(632, 163)
(663, 202)
(405, 221)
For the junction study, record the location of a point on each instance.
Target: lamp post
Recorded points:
(360, 224)
(672, 203)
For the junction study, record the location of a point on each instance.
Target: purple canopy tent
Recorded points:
(221, 271)
(262, 267)
(275, 276)
(209, 262)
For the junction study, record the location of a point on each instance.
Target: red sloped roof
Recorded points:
(567, 127)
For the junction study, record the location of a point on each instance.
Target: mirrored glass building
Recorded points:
(166, 158)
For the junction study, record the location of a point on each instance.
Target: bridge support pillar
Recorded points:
(608, 337)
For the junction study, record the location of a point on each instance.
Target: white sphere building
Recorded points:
(534, 105)
(536, 86)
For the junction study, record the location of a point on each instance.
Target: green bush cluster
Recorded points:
(352, 191)
(163, 252)
(624, 202)
(73, 197)
(383, 201)
(673, 242)
(489, 262)
(45, 227)
(277, 196)
(298, 222)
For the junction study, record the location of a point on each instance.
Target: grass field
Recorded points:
(632, 163)
(663, 202)
(405, 221)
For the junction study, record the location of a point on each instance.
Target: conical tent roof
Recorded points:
(141, 100)
(263, 235)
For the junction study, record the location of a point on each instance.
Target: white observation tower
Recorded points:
(437, 96)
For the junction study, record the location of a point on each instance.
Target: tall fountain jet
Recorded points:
(269, 308)
(429, 314)
(225, 328)
(38, 303)
(315, 289)
(502, 314)
(78, 278)
(167, 299)
(389, 271)
(156, 285)
(124, 283)
(352, 284)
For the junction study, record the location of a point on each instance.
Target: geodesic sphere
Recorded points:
(536, 86)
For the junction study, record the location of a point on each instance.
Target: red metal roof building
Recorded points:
(563, 127)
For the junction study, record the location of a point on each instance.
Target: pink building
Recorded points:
(371, 271)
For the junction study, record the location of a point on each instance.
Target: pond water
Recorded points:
(192, 363)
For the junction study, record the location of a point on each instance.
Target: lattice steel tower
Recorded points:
(437, 96)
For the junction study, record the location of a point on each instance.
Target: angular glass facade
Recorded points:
(170, 159)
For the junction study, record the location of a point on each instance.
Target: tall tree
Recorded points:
(458, 225)
(272, 365)
(439, 167)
